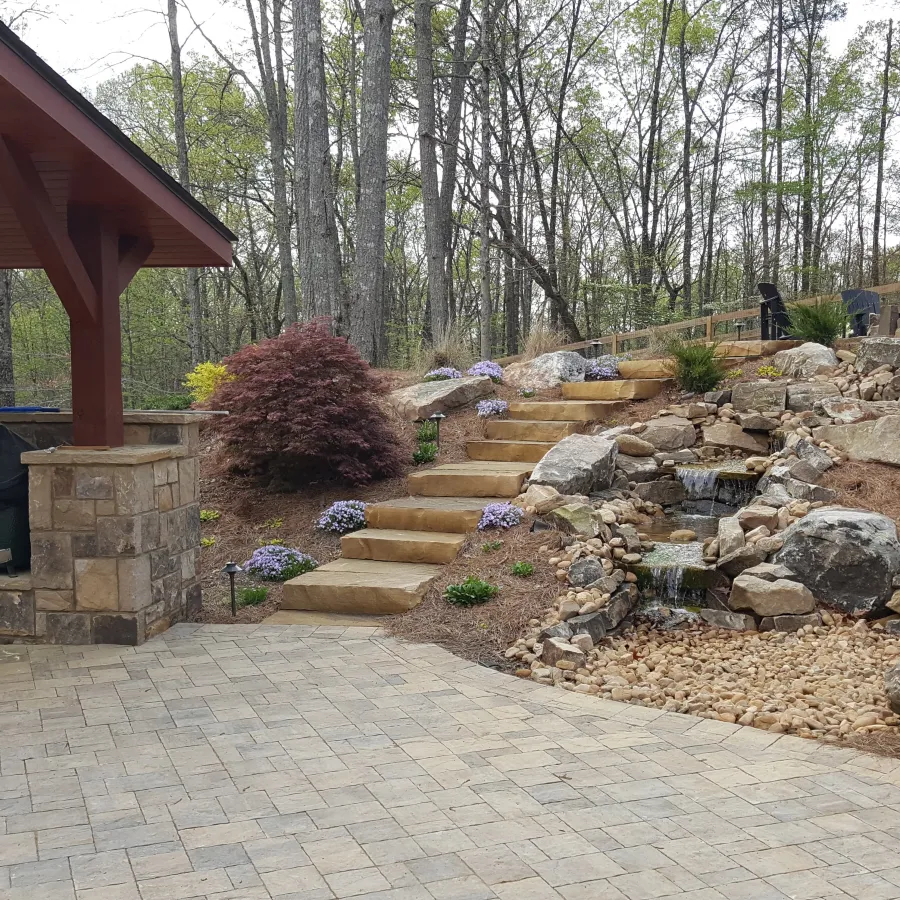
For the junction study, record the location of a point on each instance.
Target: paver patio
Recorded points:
(298, 763)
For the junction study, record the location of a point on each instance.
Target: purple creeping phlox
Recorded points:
(343, 517)
(444, 373)
(500, 515)
(488, 408)
(276, 563)
(493, 370)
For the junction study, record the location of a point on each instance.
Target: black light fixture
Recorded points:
(231, 569)
(739, 327)
(436, 418)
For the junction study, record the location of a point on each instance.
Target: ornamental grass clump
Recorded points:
(471, 592)
(500, 515)
(696, 367)
(820, 324)
(276, 563)
(444, 373)
(488, 408)
(306, 407)
(343, 516)
(493, 370)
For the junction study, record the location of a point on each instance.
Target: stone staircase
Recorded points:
(387, 567)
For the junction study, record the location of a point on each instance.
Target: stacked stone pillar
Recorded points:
(115, 540)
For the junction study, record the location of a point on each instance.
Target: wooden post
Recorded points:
(710, 328)
(615, 344)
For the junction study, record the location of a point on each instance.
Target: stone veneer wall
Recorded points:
(115, 546)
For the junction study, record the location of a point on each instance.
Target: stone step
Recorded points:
(360, 587)
(566, 410)
(472, 479)
(446, 514)
(645, 368)
(509, 451)
(395, 545)
(524, 430)
(622, 389)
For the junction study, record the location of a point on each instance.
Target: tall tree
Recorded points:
(882, 135)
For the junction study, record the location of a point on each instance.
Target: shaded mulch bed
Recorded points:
(866, 485)
(482, 633)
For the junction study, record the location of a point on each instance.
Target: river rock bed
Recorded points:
(819, 682)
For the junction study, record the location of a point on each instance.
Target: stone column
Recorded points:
(115, 538)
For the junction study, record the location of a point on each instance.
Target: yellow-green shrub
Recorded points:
(205, 380)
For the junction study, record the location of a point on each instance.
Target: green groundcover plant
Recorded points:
(471, 592)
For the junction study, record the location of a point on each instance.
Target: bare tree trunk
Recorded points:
(764, 154)
(368, 308)
(7, 381)
(325, 276)
(301, 155)
(485, 188)
(688, 109)
(879, 180)
(192, 276)
(431, 198)
(272, 79)
(510, 293)
(779, 143)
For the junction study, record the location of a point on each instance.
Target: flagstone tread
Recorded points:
(401, 545)
(529, 430)
(472, 479)
(360, 586)
(445, 514)
(510, 451)
(620, 389)
(566, 410)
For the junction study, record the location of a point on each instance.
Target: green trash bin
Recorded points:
(15, 535)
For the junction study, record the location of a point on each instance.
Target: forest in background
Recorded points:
(474, 169)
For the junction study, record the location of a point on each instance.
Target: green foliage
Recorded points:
(275, 522)
(252, 596)
(427, 432)
(491, 546)
(769, 372)
(167, 401)
(471, 592)
(523, 569)
(823, 323)
(734, 373)
(695, 366)
(209, 515)
(271, 542)
(207, 542)
(425, 453)
(206, 379)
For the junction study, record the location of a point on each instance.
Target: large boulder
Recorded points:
(632, 445)
(731, 535)
(806, 394)
(846, 557)
(878, 351)
(670, 433)
(578, 464)
(575, 518)
(849, 410)
(637, 468)
(892, 687)
(770, 598)
(663, 492)
(585, 571)
(764, 396)
(546, 371)
(419, 401)
(542, 498)
(813, 455)
(874, 441)
(806, 360)
(732, 437)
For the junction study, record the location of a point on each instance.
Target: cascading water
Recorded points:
(699, 484)
(719, 489)
(671, 571)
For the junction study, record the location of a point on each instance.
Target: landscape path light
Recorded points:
(231, 569)
(436, 418)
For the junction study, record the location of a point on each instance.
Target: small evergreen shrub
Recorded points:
(444, 373)
(209, 515)
(273, 562)
(343, 516)
(425, 453)
(500, 515)
(174, 402)
(471, 592)
(306, 407)
(252, 596)
(523, 569)
(205, 379)
(488, 408)
(695, 366)
(820, 324)
(769, 372)
(427, 432)
(493, 370)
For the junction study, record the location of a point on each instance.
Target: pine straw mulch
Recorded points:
(881, 743)
(482, 633)
(866, 485)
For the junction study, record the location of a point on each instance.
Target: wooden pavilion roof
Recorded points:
(85, 161)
